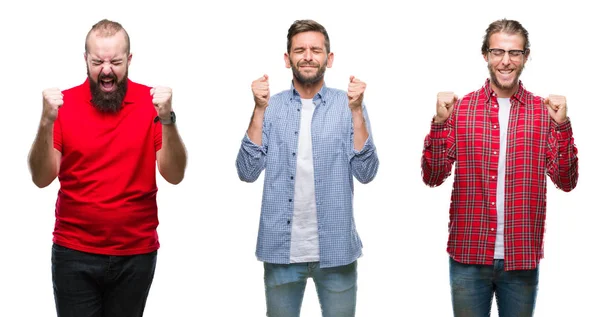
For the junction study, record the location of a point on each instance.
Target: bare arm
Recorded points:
(44, 160)
(172, 157)
(360, 128)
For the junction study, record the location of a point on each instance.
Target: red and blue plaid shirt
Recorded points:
(536, 146)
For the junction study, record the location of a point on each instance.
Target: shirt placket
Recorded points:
(294, 134)
(493, 109)
(315, 130)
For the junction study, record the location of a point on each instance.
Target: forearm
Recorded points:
(361, 134)
(42, 161)
(364, 160)
(256, 126)
(172, 158)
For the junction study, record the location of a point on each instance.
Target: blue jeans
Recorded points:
(473, 288)
(94, 285)
(285, 284)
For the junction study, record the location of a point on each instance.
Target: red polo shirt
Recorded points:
(107, 198)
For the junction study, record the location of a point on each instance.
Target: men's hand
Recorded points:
(557, 107)
(356, 93)
(260, 90)
(161, 98)
(444, 106)
(52, 100)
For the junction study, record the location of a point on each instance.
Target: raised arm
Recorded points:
(364, 160)
(252, 154)
(44, 160)
(561, 158)
(172, 157)
(439, 150)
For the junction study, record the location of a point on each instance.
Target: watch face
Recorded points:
(172, 116)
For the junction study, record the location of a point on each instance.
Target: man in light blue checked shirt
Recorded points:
(311, 140)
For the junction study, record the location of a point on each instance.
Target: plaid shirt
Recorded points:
(536, 146)
(335, 163)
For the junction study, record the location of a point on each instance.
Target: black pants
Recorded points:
(95, 285)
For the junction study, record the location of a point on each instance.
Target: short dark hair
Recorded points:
(300, 26)
(505, 26)
(106, 28)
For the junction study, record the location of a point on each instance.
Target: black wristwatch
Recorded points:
(170, 121)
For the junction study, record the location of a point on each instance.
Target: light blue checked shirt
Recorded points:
(335, 161)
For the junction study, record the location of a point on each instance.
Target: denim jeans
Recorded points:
(94, 285)
(285, 284)
(473, 288)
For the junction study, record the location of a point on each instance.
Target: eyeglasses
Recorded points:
(514, 55)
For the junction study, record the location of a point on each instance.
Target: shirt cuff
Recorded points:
(438, 130)
(563, 129)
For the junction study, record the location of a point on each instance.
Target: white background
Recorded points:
(209, 53)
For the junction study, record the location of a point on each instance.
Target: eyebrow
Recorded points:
(312, 48)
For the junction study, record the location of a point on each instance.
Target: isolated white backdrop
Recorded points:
(209, 53)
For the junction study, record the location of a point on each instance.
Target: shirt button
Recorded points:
(290, 200)
(298, 109)
(296, 132)
(493, 203)
(492, 229)
(494, 126)
(288, 222)
(294, 154)
(495, 152)
(291, 177)
(495, 106)
(493, 177)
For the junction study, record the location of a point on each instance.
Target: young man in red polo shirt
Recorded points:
(102, 139)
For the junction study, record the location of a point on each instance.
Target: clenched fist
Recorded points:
(260, 90)
(445, 105)
(557, 107)
(52, 100)
(356, 93)
(161, 98)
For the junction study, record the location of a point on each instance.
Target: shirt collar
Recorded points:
(519, 95)
(318, 99)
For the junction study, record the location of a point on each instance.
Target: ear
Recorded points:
(129, 59)
(526, 57)
(286, 58)
(485, 57)
(329, 60)
(85, 56)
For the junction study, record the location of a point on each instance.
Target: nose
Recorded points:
(505, 58)
(308, 55)
(106, 69)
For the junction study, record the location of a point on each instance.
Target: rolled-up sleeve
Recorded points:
(364, 162)
(251, 158)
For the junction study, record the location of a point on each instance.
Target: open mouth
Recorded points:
(108, 84)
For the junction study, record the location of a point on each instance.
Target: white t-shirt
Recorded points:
(305, 235)
(503, 115)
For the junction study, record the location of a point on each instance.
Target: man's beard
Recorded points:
(308, 80)
(108, 102)
(497, 83)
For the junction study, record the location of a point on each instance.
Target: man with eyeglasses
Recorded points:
(504, 141)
